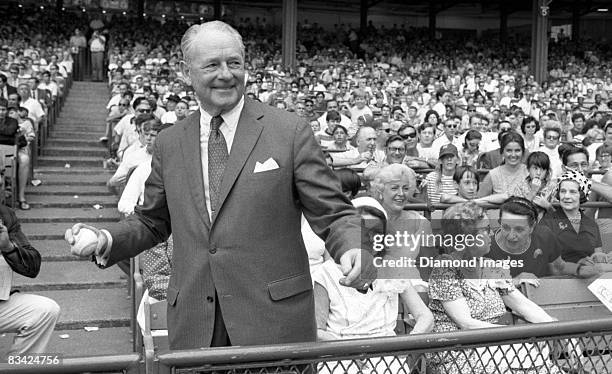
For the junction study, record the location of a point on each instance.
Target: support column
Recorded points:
(432, 19)
(289, 33)
(140, 8)
(363, 16)
(503, 23)
(576, 22)
(217, 9)
(539, 40)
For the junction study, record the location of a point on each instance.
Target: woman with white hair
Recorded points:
(346, 313)
(392, 187)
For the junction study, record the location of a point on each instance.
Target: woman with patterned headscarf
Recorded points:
(578, 233)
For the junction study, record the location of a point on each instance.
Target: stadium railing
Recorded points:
(540, 347)
(126, 364)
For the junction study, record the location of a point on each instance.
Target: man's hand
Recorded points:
(5, 242)
(366, 156)
(526, 278)
(83, 246)
(355, 276)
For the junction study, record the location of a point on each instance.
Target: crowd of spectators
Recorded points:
(35, 60)
(390, 95)
(403, 119)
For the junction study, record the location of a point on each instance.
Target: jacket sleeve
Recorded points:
(25, 259)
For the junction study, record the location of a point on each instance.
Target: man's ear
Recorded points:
(184, 66)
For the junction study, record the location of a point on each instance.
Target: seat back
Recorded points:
(566, 299)
(156, 319)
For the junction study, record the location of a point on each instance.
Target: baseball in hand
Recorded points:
(85, 243)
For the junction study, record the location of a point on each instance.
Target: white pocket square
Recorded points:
(268, 165)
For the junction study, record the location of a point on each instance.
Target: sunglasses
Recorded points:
(412, 135)
(451, 126)
(552, 138)
(146, 111)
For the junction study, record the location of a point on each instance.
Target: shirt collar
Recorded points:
(230, 118)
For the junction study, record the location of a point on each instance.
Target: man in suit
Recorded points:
(32, 317)
(230, 183)
(5, 88)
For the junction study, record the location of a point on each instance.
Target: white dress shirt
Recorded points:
(228, 129)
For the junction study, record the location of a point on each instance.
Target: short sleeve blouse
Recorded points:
(484, 300)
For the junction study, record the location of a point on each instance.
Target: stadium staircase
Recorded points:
(73, 190)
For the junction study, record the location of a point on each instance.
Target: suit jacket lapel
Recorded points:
(247, 134)
(192, 157)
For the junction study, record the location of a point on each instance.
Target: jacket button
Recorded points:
(210, 299)
(213, 250)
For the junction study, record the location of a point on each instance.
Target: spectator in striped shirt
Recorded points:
(441, 181)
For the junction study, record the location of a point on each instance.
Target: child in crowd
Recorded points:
(468, 182)
(471, 145)
(538, 186)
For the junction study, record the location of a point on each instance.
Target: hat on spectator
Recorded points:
(369, 201)
(448, 149)
(584, 183)
(174, 98)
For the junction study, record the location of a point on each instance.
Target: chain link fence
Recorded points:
(578, 347)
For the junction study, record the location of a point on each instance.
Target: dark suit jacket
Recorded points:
(25, 259)
(252, 254)
(10, 90)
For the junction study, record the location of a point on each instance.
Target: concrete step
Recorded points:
(55, 250)
(51, 230)
(89, 161)
(102, 307)
(60, 170)
(78, 127)
(108, 341)
(90, 135)
(39, 215)
(74, 111)
(71, 275)
(97, 151)
(79, 115)
(63, 201)
(53, 142)
(56, 178)
(67, 190)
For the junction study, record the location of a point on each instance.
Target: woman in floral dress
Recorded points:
(465, 295)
